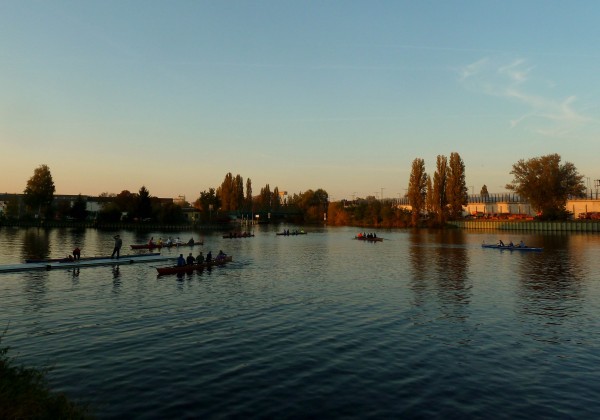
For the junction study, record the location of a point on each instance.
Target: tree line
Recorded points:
(215, 204)
(545, 182)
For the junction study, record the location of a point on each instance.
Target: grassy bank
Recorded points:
(25, 394)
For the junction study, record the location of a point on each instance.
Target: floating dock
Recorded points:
(51, 265)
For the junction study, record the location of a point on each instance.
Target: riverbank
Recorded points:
(529, 225)
(113, 226)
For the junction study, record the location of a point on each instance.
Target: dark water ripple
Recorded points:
(426, 325)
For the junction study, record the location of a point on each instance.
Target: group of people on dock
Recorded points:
(200, 259)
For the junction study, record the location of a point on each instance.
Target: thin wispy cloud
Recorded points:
(513, 80)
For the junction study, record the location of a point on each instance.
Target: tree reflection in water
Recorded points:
(440, 262)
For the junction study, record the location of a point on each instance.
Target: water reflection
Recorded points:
(116, 273)
(36, 243)
(441, 255)
(36, 290)
(452, 262)
(551, 289)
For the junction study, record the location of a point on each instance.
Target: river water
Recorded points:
(425, 324)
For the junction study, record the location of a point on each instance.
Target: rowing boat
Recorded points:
(123, 259)
(511, 248)
(290, 233)
(368, 239)
(238, 235)
(158, 246)
(64, 260)
(192, 267)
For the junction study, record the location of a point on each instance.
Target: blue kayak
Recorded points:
(511, 248)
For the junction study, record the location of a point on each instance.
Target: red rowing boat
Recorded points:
(192, 267)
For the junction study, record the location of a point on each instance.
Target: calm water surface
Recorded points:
(422, 325)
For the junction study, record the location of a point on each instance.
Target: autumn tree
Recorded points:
(126, 202)
(39, 193)
(484, 192)
(248, 200)
(225, 192)
(457, 192)
(440, 180)
(429, 198)
(417, 189)
(264, 198)
(208, 201)
(312, 204)
(547, 184)
(276, 200)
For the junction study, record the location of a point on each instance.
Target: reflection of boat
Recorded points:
(192, 267)
(64, 260)
(238, 235)
(123, 259)
(157, 246)
(511, 248)
(368, 239)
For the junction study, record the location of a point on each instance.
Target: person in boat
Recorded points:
(190, 260)
(209, 257)
(522, 244)
(511, 243)
(160, 242)
(151, 242)
(221, 255)
(118, 245)
(200, 258)
(169, 241)
(178, 241)
(180, 261)
(76, 253)
(191, 241)
(500, 242)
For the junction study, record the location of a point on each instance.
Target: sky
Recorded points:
(299, 95)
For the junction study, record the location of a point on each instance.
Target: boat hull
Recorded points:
(511, 248)
(368, 239)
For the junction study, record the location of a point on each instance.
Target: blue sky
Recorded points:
(339, 95)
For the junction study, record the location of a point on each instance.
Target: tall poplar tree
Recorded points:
(225, 192)
(417, 189)
(440, 180)
(456, 187)
(248, 194)
(429, 198)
